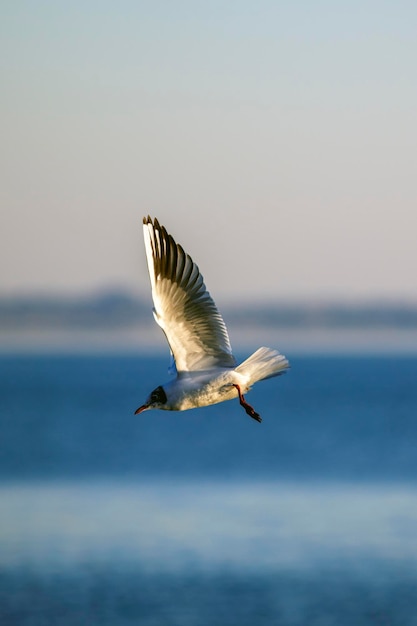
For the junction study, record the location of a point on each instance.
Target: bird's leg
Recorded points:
(248, 408)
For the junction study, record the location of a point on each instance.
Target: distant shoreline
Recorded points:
(117, 321)
(149, 339)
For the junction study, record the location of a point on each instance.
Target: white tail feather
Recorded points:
(262, 364)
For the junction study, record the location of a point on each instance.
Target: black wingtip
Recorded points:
(156, 225)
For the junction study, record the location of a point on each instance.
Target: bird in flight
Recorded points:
(202, 361)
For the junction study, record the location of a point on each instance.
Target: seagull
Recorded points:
(206, 372)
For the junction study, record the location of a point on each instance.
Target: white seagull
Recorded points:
(201, 354)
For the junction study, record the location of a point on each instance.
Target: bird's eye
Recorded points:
(159, 395)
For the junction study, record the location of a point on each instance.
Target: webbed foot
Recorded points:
(248, 408)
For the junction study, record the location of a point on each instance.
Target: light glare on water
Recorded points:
(164, 525)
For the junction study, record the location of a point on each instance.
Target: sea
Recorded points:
(206, 517)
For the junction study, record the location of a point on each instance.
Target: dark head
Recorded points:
(156, 400)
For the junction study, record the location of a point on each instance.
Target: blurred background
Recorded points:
(276, 141)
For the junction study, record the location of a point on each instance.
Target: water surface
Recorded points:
(207, 517)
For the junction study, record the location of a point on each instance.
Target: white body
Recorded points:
(202, 389)
(197, 389)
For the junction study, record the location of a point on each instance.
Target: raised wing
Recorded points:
(183, 307)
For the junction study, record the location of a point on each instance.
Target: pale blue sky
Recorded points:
(277, 141)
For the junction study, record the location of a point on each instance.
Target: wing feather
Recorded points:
(183, 307)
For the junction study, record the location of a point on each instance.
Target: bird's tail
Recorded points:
(264, 363)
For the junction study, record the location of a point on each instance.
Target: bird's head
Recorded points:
(156, 400)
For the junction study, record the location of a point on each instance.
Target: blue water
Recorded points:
(207, 517)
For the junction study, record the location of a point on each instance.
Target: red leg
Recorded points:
(248, 408)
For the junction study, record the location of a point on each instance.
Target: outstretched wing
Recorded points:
(183, 307)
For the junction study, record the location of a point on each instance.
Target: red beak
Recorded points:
(142, 408)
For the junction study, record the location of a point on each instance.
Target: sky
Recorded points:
(275, 140)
